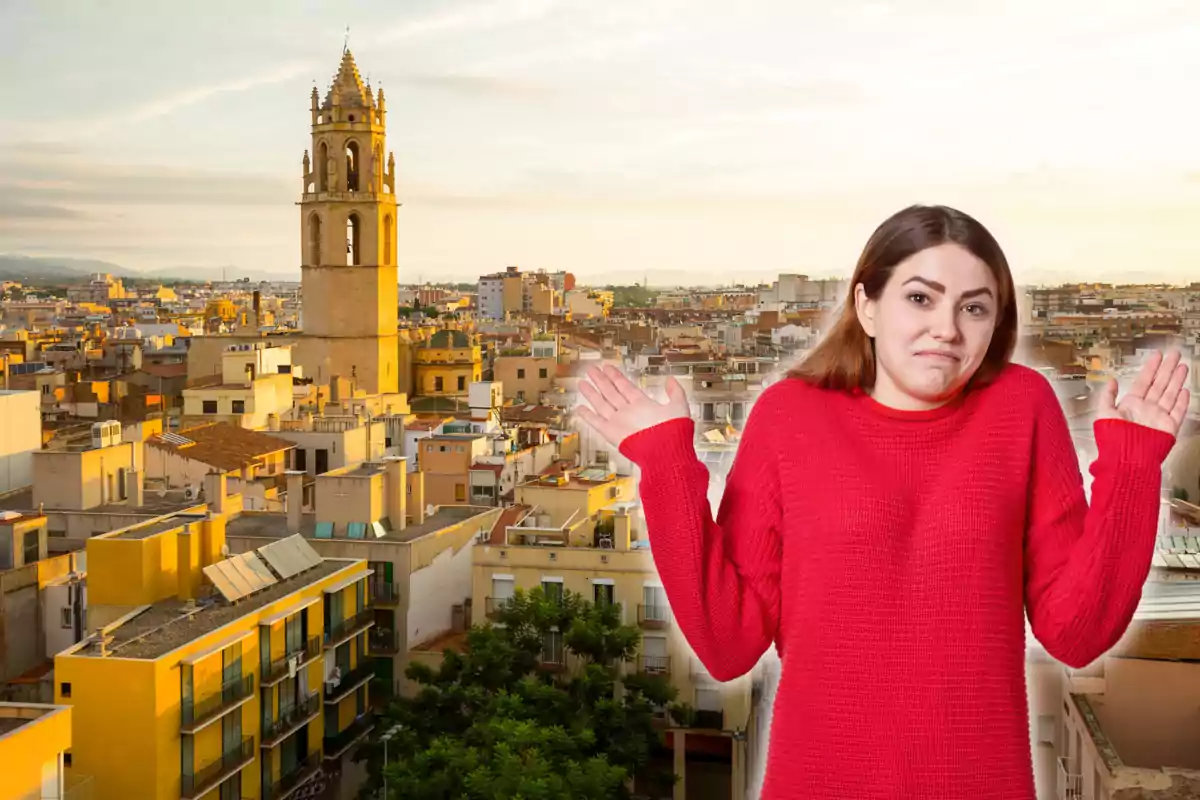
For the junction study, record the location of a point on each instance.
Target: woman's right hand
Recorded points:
(619, 408)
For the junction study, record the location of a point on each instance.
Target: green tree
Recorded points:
(509, 718)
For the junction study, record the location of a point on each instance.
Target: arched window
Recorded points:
(322, 168)
(352, 167)
(377, 168)
(387, 240)
(314, 240)
(353, 230)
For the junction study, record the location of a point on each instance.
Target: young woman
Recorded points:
(896, 506)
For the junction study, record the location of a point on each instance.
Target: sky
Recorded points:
(682, 140)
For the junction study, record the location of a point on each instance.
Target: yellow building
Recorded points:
(448, 364)
(210, 677)
(579, 533)
(33, 738)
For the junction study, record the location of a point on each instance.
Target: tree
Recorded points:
(509, 717)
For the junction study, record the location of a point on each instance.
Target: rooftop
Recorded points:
(144, 530)
(220, 445)
(14, 716)
(274, 526)
(168, 625)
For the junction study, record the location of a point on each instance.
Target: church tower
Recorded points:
(348, 239)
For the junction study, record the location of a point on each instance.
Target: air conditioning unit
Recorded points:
(190, 493)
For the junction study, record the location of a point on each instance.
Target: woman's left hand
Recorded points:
(1157, 398)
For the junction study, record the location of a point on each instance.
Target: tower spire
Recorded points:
(346, 41)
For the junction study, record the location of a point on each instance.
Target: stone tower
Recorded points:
(348, 239)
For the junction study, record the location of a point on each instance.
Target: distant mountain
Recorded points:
(15, 267)
(35, 269)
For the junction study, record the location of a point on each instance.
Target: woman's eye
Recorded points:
(918, 297)
(976, 309)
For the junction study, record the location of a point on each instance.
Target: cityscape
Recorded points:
(344, 537)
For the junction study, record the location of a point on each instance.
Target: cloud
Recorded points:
(189, 97)
(74, 181)
(475, 85)
(13, 209)
(484, 15)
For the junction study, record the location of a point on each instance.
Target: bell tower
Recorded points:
(348, 239)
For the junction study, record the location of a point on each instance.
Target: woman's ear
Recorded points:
(865, 308)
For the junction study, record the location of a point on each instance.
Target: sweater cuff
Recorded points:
(1130, 442)
(662, 443)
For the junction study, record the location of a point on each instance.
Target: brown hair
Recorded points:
(845, 356)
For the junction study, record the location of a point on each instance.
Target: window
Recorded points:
(239, 406)
(121, 491)
(66, 621)
(462, 383)
(553, 589)
(552, 648)
(459, 493)
(437, 384)
(66, 758)
(521, 397)
(31, 550)
(603, 594)
(520, 374)
(65, 689)
(300, 462)
(210, 406)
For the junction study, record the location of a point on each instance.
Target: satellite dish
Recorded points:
(225, 550)
(429, 510)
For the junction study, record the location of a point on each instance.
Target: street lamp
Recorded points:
(387, 737)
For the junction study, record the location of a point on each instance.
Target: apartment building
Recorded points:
(252, 461)
(33, 740)
(580, 532)
(255, 383)
(420, 563)
(446, 461)
(447, 364)
(20, 436)
(89, 472)
(1123, 728)
(240, 677)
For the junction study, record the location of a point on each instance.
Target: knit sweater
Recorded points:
(891, 556)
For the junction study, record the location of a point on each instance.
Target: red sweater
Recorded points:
(891, 556)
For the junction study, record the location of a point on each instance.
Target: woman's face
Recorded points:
(932, 325)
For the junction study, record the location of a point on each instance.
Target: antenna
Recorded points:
(346, 41)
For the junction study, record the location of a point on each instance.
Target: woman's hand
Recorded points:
(619, 408)
(1157, 398)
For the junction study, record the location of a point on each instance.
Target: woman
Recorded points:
(896, 505)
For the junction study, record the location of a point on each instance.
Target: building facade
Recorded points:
(348, 239)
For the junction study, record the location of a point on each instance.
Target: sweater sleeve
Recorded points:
(1085, 566)
(721, 577)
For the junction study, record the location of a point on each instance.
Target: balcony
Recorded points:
(1070, 786)
(196, 784)
(348, 628)
(385, 594)
(292, 781)
(654, 665)
(654, 617)
(339, 743)
(279, 668)
(233, 694)
(343, 687)
(714, 720)
(383, 642)
(494, 605)
(289, 720)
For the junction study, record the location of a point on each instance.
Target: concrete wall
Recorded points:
(20, 628)
(79, 480)
(20, 436)
(439, 585)
(1150, 711)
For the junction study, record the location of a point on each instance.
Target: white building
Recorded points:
(20, 437)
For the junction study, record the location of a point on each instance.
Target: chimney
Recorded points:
(622, 530)
(214, 492)
(416, 495)
(295, 500)
(396, 491)
(135, 488)
(273, 422)
(257, 308)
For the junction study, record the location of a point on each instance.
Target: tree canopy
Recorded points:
(534, 707)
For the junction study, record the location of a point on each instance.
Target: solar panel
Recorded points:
(356, 530)
(238, 565)
(259, 568)
(247, 585)
(311, 557)
(175, 439)
(324, 530)
(274, 555)
(223, 585)
(377, 527)
(293, 559)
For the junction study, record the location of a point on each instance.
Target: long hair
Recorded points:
(845, 357)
